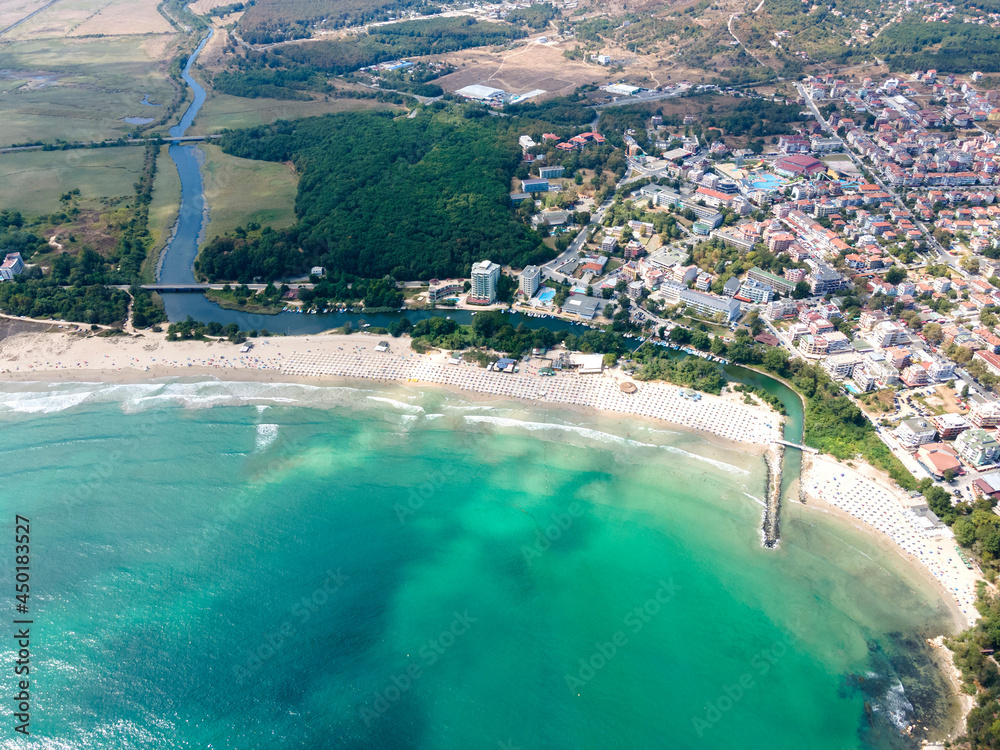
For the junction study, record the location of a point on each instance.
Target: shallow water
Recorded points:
(395, 568)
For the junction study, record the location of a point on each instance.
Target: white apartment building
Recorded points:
(485, 275)
(531, 278)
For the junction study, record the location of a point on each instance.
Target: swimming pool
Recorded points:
(546, 295)
(767, 182)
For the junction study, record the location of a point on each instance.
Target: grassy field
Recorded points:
(79, 89)
(222, 111)
(163, 208)
(31, 182)
(239, 191)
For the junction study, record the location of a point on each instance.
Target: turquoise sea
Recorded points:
(226, 565)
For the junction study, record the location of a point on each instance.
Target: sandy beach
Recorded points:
(874, 504)
(333, 357)
(871, 503)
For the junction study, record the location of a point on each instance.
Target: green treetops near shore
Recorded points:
(973, 655)
(414, 198)
(493, 330)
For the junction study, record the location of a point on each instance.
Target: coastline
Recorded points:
(337, 359)
(332, 358)
(947, 576)
(61, 356)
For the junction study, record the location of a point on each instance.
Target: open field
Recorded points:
(239, 191)
(528, 67)
(32, 181)
(201, 7)
(79, 89)
(12, 11)
(164, 206)
(222, 111)
(69, 18)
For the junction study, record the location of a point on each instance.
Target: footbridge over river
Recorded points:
(796, 445)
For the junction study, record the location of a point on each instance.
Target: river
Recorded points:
(176, 264)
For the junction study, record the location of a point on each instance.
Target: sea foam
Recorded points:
(597, 435)
(266, 434)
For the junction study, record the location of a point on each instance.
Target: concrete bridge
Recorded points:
(796, 445)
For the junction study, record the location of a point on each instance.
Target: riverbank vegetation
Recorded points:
(245, 193)
(193, 329)
(493, 330)
(265, 302)
(692, 372)
(413, 198)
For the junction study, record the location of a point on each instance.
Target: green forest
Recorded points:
(573, 110)
(75, 290)
(536, 16)
(960, 47)
(414, 198)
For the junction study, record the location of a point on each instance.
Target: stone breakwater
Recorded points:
(772, 507)
(714, 415)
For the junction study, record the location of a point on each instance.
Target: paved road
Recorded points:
(573, 251)
(928, 237)
(204, 287)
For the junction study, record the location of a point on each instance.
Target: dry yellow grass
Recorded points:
(12, 11)
(534, 66)
(92, 17)
(201, 7)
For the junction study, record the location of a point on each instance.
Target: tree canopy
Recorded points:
(409, 198)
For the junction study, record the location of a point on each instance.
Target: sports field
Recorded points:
(32, 181)
(239, 191)
(80, 89)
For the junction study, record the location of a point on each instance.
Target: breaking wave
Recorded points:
(603, 437)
